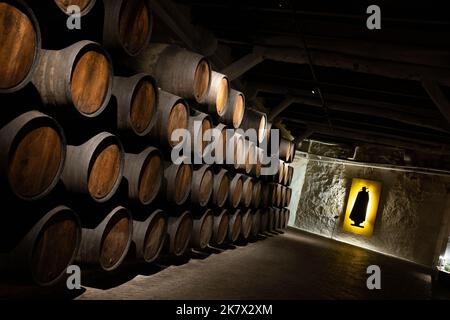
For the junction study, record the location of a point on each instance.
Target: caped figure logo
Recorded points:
(358, 214)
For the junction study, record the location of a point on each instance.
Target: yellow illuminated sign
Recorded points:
(362, 207)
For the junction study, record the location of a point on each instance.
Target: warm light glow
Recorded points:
(374, 189)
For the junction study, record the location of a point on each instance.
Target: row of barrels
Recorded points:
(90, 86)
(35, 157)
(61, 238)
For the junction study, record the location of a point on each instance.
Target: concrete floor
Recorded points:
(289, 266)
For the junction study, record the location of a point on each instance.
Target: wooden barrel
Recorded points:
(172, 113)
(177, 70)
(247, 224)
(95, 167)
(137, 98)
(221, 188)
(247, 191)
(84, 5)
(20, 45)
(144, 173)
(32, 156)
(264, 220)
(235, 109)
(217, 97)
(235, 225)
(106, 244)
(179, 231)
(79, 76)
(220, 227)
(257, 194)
(47, 245)
(255, 120)
(236, 188)
(256, 223)
(202, 185)
(127, 26)
(202, 230)
(198, 125)
(177, 182)
(149, 234)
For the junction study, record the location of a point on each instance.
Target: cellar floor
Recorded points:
(294, 265)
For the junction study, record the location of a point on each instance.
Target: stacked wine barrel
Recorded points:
(87, 132)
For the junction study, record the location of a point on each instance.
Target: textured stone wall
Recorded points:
(412, 219)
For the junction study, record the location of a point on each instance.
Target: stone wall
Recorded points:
(412, 220)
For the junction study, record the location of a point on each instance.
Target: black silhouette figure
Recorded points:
(359, 211)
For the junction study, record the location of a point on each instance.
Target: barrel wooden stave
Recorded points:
(79, 77)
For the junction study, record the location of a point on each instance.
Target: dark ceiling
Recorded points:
(320, 71)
